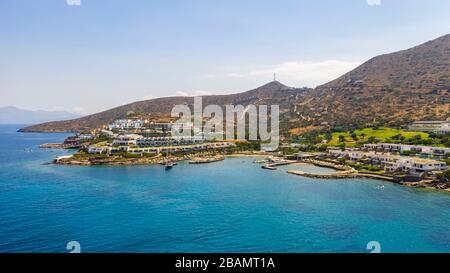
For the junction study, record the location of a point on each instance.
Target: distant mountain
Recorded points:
(392, 89)
(14, 115)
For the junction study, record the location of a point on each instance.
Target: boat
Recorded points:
(168, 165)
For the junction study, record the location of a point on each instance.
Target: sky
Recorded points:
(93, 55)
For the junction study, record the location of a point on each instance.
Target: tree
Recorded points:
(444, 177)
(341, 138)
(372, 139)
(323, 148)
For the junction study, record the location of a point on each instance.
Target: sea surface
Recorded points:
(228, 206)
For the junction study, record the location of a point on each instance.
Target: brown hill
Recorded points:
(273, 92)
(391, 89)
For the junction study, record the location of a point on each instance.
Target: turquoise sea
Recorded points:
(228, 206)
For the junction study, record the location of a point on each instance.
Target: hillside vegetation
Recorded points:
(370, 135)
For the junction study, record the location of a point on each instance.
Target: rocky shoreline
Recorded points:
(343, 175)
(158, 159)
(346, 172)
(58, 146)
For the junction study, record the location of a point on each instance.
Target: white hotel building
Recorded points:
(140, 141)
(392, 162)
(137, 144)
(439, 127)
(160, 149)
(392, 147)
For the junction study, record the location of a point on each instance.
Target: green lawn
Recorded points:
(382, 134)
(101, 144)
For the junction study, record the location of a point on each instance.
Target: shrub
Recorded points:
(407, 153)
(342, 160)
(444, 177)
(323, 148)
(372, 139)
(128, 155)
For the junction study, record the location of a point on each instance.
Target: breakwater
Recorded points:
(343, 175)
(273, 166)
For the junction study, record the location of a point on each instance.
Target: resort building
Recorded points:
(423, 165)
(97, 150)
(168, 141)
(126, 140)
(140, 141)
(108, 133)
(400, 148)
(160, 149)
(391, 162)
(181, 148)
(161, 126)
(439, 127)
(125, 124)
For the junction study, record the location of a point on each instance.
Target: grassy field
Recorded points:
(381, 134)
(101, 144)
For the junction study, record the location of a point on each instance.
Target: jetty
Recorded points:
(343, 175)
(273, 166)
(59, 146)
(261, 161)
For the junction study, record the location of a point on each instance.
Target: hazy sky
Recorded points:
(104, 53)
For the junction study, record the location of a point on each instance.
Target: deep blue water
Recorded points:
(228, 206)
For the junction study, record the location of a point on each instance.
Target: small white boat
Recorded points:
(168, 165)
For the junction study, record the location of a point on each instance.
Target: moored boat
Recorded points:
(168, 165)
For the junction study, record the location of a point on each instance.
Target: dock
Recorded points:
(343, 175)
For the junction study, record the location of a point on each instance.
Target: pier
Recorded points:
(273, 166)
(343, 175)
